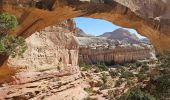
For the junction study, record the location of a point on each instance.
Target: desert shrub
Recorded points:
(13, 46)
(160, 83)
(130, 83)
(138, 64)
(102, 67)
(127, 75)
(136, 94)
(118, 82)
(165, 59)
(85, 67)
(164, 71)
(144, 69)
(165, 63)
(7, 22)
(104, 79)
(141, 77)
(113, 94)
(88, 90)
(10, 45)
(161, 86)
(113, 74)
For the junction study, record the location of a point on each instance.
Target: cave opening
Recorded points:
(101, 41)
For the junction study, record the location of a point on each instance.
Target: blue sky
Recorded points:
(97, 26)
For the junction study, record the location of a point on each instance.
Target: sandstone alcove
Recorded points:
(49, 68)
(150, 19)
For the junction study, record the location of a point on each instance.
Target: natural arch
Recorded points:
(149, 17)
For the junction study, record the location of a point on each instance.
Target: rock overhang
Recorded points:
(150, 18)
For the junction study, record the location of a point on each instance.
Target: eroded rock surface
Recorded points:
(48, 69)
(150, 18)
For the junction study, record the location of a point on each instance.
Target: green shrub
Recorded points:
(104, 78)
(127, 75)
(145, 67)
(102, 67)
(113, 74)
(88, 90)
(136, 94)
(161, 86)
(160, 83)
(10, 45)
(118, 82)
(7, 22)
(13, 46)
(85, 67)
(165, 59)
(138, 64)
(130, 83)
(141, 77)
(114, 94)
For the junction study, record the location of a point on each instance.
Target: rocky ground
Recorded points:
(48, 87)
(94, 82)
(103, 83)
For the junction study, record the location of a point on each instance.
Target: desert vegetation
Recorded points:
(141, 80)
(10, 45)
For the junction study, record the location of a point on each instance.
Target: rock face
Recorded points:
(51, 47)
(150, 18)
(95, 50)
(49, 67)
(114, 55)
(122, 35)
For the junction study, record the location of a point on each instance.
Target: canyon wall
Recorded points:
(114, 55)
(50, 47)
(48, 69)
(93, 50)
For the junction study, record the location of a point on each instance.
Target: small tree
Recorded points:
(7, 22)
(10, 45)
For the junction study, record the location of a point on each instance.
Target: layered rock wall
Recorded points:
(51, 47)
(114, 55)
(48, 69)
